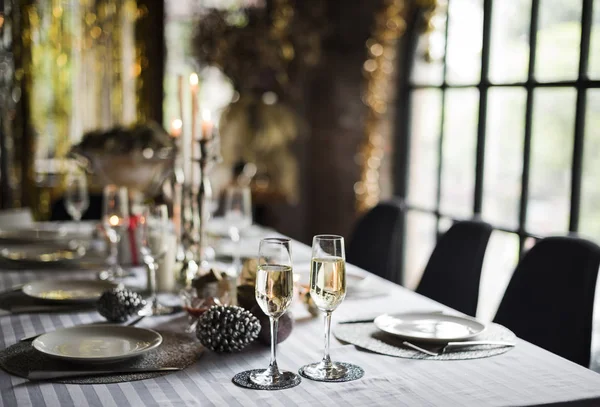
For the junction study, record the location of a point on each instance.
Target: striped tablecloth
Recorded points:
(526, 375)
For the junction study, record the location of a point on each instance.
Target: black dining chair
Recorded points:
(453, 272)
(374, 242)
(550, 298)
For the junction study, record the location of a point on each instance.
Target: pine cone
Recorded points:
(227, 328)
(118, 304)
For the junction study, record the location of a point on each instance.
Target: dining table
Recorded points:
(526, 375)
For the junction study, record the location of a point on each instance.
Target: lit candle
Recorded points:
(176, 126)
(194, 80)
(207, 124)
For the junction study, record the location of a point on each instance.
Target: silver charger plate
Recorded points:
(67, 290)
(430, 327)
(97, 344)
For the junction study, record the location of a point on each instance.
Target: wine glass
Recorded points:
(154, 223)
(238, 216)
(328, 290)
(274, 292)
(76, 195)
(115, 219)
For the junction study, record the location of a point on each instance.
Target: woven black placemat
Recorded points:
(368, 336)
(176, 350)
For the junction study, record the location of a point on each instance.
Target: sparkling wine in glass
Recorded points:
(76, 195)
(274, 292)
(328, 290)
(115, 219)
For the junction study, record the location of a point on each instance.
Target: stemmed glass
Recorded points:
(154, 224)
(115, 219)
(274, 292)
(328, 290)
(76, 195)
(238, 216)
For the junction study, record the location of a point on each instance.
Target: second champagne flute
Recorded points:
(76, 195)
(328, 290)
(115, 219)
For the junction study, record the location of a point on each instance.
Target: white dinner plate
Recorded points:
(219, 227)
(43, 255)
(354, 279)
(67, 290)
(97, 343)
(430, 326)
(33, 235)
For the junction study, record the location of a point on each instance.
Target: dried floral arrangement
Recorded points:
(266, 51)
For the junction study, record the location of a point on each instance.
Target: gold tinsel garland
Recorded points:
(378, 70)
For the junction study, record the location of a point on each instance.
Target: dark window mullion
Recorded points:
(581, 82)
(483, 96)
(533, 27)
(438, 192)
(577, 169)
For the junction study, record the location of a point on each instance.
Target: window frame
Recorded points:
(402, 137)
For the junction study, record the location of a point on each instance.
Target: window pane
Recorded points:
(420, 241)
(501, 257)
(509, 58)
(558, 40)
(425, 135)
(458, 160)
(503, 156)
(594, 62)
(465, 37)
(551, 160)
(589, 224)
(428, 63)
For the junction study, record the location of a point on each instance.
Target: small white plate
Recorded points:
(97, 343)
(67, 290)
(430, 327)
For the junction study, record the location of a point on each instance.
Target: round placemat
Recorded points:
(354, 373)
(368, 336)
(242, 379)
(176, 350)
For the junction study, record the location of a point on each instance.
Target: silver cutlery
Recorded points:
(440, 350)
(12, 289)
(27, 309)
(131, 323)
(69, 374)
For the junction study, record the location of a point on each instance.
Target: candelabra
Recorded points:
(195, 209)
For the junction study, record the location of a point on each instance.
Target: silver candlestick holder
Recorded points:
(196, 209)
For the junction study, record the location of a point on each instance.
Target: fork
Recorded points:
(449, 345)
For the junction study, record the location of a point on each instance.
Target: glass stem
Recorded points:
(152, 284)
(326, 358)
(114, 249)
(273, 370)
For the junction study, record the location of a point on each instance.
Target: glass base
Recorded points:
(258, 379)
(159, 309)
(336, 372)
(114, 272)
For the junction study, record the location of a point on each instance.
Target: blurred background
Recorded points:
(456, 108)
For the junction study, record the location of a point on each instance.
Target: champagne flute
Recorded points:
(76, 195)
(238, 216)
(274, 292)
(154, 223)
(328, 290)
(115, 219)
